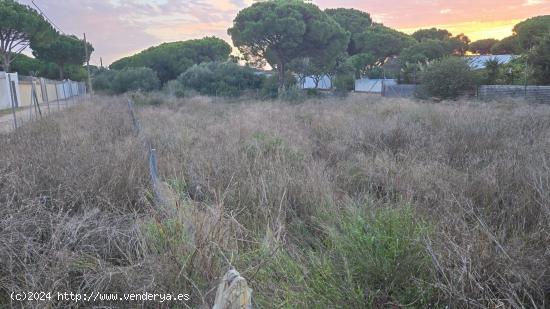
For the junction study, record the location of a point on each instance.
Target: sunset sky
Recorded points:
(119, 28)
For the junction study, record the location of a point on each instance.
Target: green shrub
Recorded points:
(448, 78)
(373, 256)
(76, 73)
(382, 253)
(540, 59)
(225, 79)
(135, 79)
(103, 80)
(144, 99)
(169, 60)
(270, 85)
(174, 88)
(344, 83)
(313, 93)
(293, 95)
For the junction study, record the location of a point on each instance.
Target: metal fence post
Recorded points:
(45, 96)
(152, 153)
(31, 106)
(34, 97)
(12, 101)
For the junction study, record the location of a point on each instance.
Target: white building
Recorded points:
(479, 62)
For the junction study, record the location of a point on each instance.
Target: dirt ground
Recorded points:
(24, 115)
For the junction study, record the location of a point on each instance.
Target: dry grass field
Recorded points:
(332, 203)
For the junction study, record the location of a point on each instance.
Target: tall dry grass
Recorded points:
(477, 173)
(330, 203)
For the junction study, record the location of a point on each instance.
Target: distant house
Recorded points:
(479, 62)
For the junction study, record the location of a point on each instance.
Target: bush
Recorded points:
(293, 95)
(448, 78)
(344, 83)
(225, 79)
(540, 58)
(134, 79)
(384, 252)
(174, 88)
(373, 257)
(147, 99)
(314, 93)
(103, 80)
(270, 85)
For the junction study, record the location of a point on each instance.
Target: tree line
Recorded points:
(56, 55)
(291, 36)
(298, 40)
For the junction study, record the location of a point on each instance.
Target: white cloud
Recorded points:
(533, 2)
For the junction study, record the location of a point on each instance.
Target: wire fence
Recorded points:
(152, 155)
(532, 94)
(399, 91)
(233, 290)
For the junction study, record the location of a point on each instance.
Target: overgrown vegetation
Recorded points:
(448, 78)
(129, 79)
(169, 60)
(351, 203)
(57, 55)
(225, 79)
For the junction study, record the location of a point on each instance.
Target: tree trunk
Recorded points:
(6, 62)
(61, 72)
(281, 72)
(317, 80)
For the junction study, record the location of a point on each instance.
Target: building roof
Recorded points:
(478, 62)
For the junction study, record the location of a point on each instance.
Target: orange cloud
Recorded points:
(476, 30)
(122, 27)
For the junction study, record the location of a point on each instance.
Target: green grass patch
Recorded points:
(373, 258)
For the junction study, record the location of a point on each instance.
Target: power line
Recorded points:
(86, 55)
(46, 17)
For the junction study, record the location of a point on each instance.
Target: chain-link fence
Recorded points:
(532, 94)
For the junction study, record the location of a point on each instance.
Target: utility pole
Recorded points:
(101, 61)
(88, 66)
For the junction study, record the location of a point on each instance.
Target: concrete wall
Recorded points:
(50, 90)
(25, 88)
(5, 91)
(5, 101)
(45, 90)
(74, 87)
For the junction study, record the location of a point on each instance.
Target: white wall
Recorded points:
(5, 101)
(373, 85)
(5, 94)
(74, 86)
(324, 84)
